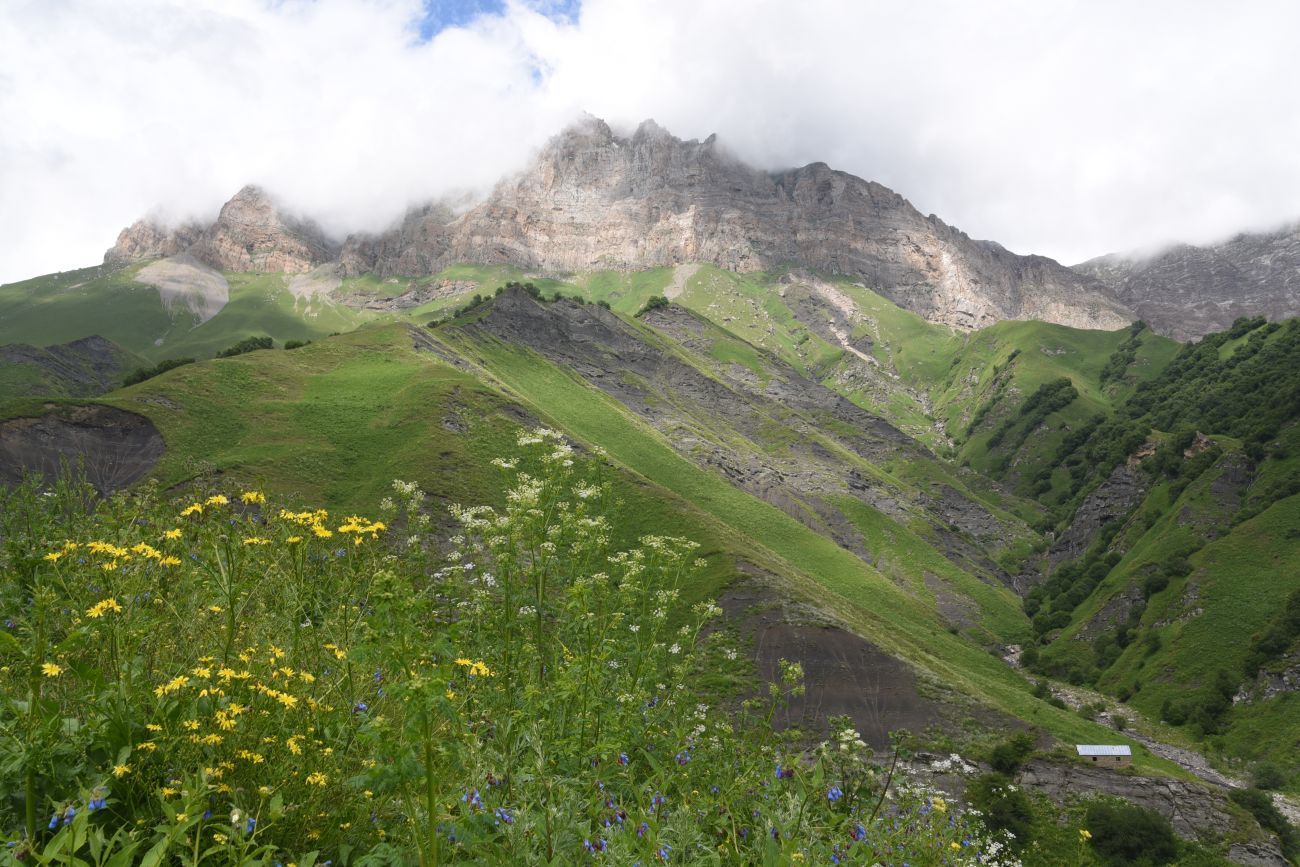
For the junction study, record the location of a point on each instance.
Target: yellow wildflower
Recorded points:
(192, 509)
(173, 685)
(450, 695)
(219, 837)
(191, 725)
(120, 771)
(954, 845)
(252, 497)
(256, 540)
(181, 817)
(50, 669)
(153, 727)
(169, 561)
(316, 778)
(294, 743)
(940, 805)
(147, 746)
(54, 556)
(172, 535)
(293, 540)
(103, 606)
(218, 500)
(1085, 835)
(167, 791)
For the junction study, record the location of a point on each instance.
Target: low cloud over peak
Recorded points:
(1065, 129)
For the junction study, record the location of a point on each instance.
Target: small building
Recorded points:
(1110, 755)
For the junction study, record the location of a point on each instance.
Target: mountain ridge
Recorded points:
(593, 200)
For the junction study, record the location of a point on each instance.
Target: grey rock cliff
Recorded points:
(595, 200)
(252, 233)
(1187, 292)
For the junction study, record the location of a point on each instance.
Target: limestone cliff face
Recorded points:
(595, 200)
(250, 234)
(1187, 292)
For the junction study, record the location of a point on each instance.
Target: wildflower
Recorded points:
(252, 497)
(858, 833)
(192, 509)
(172, 535)
(121, 771)
(1084, 835)
(663, 852)
(256, 540)
(218, 500)
(102, 607)
(316, 778)
(219, 838)
(939, 805)
(954, 845)
(450, 695)
(97, 803)
(622, 759)
(53, 556)
(181, 817)
(169, 561)
(504, 815)
(250, 825)
(834, 794)
(293, 540)
(473, 799)
(684, 757)
(50, 669)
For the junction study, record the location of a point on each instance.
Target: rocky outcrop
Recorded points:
(1111, 501)
(252, 233)
(1194, 811)
(114, 448)
(1187, 292)
(149, 239)
(596, 200)
(82, 368)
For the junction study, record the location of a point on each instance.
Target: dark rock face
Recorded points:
(82, 368)
(115, 447)
(1187, 292)
(728, 423)
(594, 200)
(1112, 500)
(250, 234)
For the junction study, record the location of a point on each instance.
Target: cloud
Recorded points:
(1069, 129)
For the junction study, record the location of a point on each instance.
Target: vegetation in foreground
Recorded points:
(226, 681)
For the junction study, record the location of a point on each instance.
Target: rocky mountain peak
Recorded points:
(1188, 291)
(251, 233)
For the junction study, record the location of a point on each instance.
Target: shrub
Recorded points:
(140, 374)
(1008, 756)
(1260, 805)
(653, 303)
(249, 344)
(1004, 807)
(296, 344)
(1124, 834)
(1269, 775)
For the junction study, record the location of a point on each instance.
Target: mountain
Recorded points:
(252, 233)
(82, 368)
(595, 201)
(1187, 291)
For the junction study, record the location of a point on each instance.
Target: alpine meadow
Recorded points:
(649, 504)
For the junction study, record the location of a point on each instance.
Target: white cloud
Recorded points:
(1069, 128)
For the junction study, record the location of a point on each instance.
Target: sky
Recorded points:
(1069, 129)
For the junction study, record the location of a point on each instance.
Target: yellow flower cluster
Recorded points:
(476, 669)
(176, 684)
(252, 497)
(102, 607)
(361, 526)
(314, 521)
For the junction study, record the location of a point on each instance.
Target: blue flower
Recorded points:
(361, 707)
(858, 833)
(642, 829)
(54, 821)
(622, 759)
(663, 852)
(473, 799)
(250, 825)
(834, 794)
(69, 814)
(683, 757)
(504, 815)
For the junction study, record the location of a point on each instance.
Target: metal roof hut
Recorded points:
(1110, 755)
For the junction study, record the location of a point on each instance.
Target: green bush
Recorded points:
(140, 374)
(1125, 835)
(249, 344)
(653, 303)
(296, 344)
(1008, 756)
(1260, 805)
(1004, 807)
